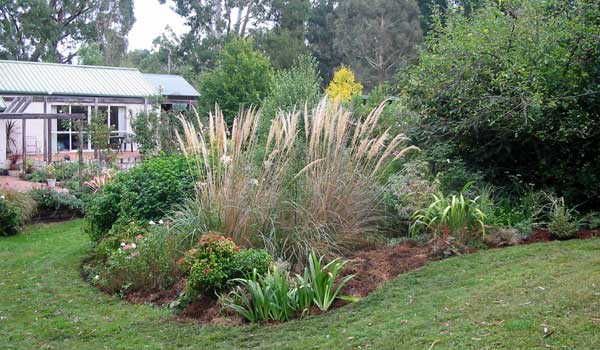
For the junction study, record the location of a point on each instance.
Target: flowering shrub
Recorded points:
(217, 260)
(118, 234)
(143, 262)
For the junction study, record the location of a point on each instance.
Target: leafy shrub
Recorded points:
(156, 134)
(521, 211)
(218, 260)
(240, 79)
(26, 206)
(39, 175)
(51, 203)
(455, 213)
(563, 222)
(144, 193)
(409, 191)
(291, 90)
(512, 88)
(9, 218)
(396, 116)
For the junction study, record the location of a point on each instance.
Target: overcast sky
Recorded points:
(151, 20)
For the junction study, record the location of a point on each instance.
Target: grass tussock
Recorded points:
(315, 184)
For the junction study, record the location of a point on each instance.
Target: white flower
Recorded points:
(254, 182)
(151, 222)
(122, 244)
(160, 222)
(133, 245)
(2, 197)
(97, 277)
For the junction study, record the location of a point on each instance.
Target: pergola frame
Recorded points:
(15, 112)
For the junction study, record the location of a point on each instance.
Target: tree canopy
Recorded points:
(53, 30)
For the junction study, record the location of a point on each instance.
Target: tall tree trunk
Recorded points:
(247, 18)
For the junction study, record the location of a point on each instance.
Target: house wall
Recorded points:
(36, 131)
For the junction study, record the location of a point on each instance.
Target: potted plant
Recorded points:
(51, 176)
(13, 169)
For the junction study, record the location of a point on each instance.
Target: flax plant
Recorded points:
(316, 188)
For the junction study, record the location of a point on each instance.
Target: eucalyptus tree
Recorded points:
(53, 30)
(377, 37)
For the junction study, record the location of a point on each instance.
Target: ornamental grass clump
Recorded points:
(454, 214)
(315, 188)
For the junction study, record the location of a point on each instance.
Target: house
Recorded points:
(119, 93)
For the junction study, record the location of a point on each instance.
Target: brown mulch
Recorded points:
(161, 298)
(373, 268)
(587, 234)
(538, 236)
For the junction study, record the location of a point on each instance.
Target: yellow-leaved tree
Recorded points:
(343, 86)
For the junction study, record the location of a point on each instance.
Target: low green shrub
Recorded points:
(407, 192)
(52, 203)
(142, 263)
(9, 218)
(562, 220)
(144, 193)
(591, 220)
(216, 261)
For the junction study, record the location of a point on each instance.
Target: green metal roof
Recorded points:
(18, 77)
(2, 105)
(171, 85)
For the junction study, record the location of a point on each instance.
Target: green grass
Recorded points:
(499, 299)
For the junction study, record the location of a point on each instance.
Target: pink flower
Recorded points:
(134, 254)
(127, 247)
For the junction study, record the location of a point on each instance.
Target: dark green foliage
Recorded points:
(285, 42)
(320, 36)
(513, 90)
(217, 260)
(53, 203)
(247, 259)
(9, 218)
(241, 79)
(49, 30)
(376, 37)
(144, 193)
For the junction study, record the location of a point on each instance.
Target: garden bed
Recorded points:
(371, 270)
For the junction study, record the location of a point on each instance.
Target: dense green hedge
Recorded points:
(513, 91)
(144, 193)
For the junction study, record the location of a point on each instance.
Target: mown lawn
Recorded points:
(500, 299)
